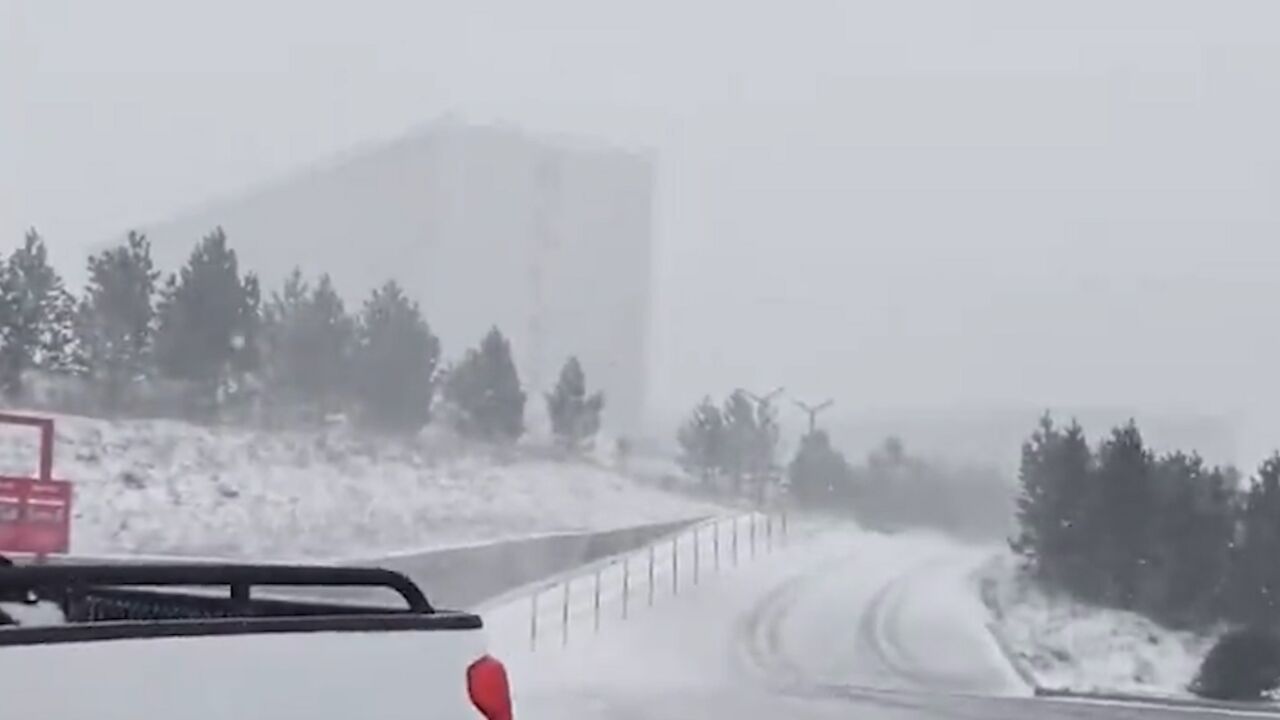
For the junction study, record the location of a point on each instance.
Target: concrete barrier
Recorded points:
(464, 577)
(460, 577)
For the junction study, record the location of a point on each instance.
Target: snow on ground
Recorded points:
(683, 652)
(162, 486)
(1068, 645)
(834, 606)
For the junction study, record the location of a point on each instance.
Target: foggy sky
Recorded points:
(901, 203)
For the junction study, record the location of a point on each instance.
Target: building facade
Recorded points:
(548, 240)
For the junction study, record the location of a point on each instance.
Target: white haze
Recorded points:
(935, 207)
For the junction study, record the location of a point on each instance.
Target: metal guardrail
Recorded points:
(665, 568)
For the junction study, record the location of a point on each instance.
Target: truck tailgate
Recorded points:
(385, 674)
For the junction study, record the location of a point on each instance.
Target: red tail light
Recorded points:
(489, 690)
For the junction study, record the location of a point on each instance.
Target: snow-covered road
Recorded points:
(841, 624)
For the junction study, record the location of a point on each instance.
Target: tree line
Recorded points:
(1186, 543)
(733, 447)
(734, 444)
(207, 339)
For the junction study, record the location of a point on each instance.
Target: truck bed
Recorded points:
(185, 642)
(105, 602)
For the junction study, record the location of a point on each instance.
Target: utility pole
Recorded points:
(813, 411)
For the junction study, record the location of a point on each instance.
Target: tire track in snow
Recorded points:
(758, 636)
(760, 650)
(880, 615)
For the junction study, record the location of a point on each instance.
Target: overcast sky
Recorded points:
(899, 203)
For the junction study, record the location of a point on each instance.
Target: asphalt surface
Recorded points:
(865, 627)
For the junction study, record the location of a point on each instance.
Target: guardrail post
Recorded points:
(564, 615)
(735, 541)
(595, 602)
(626, 585)
(783, 517)
(752, 526)
(768, 533)
(650, 576)
(675, 566)
(715, 543)
(696, 559)
(533, 623)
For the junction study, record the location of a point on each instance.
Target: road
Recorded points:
(845, 624)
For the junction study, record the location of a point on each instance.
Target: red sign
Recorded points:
(35, 516)
(35, 513)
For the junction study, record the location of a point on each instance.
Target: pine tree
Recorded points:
(740, 437)
(333, 331)
(702, 441)
(1255, 574)
(1193, 531)
(208, 321)
(762, 465)
(485, 389)
(1126, 504)
(1056, 475)
(307, 344)
(820, 476)
(575, 416)
(396, 357)
(38, 319)
(751, 440)
(114, 322)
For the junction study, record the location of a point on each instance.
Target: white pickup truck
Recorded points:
(201, 642)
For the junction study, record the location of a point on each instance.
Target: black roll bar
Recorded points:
(58, 580)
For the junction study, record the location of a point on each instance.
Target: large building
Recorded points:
(549, 240)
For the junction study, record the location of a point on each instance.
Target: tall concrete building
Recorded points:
(549, 240)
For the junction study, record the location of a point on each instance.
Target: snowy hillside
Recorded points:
(1067, 645)
(159, 487)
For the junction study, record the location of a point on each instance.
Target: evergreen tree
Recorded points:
(820, 475)
(891, 454)
(208, 321)
(396, 357)
(761, 463)
(1126, 504)
(308, 342)
(1054, 505)
(1242, 666)
(37, 317)
(751, 441)
(702, 441)
(742, 436)
(114, 321)
(1167, 537)
(575, 416)
(485, 390)
(1255, 573)
(1193, 531)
